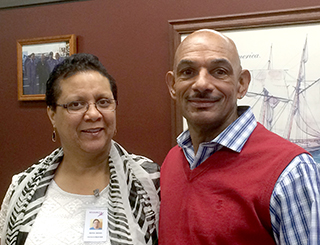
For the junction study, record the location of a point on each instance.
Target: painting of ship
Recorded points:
(288, 104)
(284, 92)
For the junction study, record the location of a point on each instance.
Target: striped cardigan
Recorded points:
(133, 205)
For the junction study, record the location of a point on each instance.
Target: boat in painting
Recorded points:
(288, 104)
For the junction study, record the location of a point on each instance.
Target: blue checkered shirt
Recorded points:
(295, 200)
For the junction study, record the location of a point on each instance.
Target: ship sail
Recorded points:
(284, 106)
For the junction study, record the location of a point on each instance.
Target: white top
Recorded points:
(61, 218)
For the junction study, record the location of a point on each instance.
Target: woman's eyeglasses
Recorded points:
(79, 107)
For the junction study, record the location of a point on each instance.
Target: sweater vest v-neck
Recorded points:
(226, 199)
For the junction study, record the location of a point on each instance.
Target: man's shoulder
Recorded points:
(175, 149)
(262, 139)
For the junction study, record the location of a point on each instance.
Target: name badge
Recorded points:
(96, 225)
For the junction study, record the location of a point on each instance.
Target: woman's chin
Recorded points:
(96, 148)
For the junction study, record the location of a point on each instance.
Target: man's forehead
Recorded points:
(212, 62)
(210, 33)
(206, 40)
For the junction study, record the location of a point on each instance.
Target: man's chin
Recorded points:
(202, 120)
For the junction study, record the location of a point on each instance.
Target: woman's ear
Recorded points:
(170, 83)
(51, 114)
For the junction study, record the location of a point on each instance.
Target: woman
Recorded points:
(89, 176)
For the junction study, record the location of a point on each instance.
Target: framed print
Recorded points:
(36, 58)
(282, 52)
(20, 3)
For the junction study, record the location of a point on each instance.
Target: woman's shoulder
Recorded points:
(138, 160)
(150, 167)
(51, 158)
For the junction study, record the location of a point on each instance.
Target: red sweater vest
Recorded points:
(226, 199)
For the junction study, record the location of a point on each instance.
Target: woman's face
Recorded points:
(89, 132)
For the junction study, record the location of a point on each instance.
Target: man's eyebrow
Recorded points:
(183, 63)
(221, 61)
(213, 62)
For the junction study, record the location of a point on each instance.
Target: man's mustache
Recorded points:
(203, 96)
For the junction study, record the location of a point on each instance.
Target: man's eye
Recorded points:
(186, 72)
(219, 72)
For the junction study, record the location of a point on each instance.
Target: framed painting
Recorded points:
(21, 3)
(36, 58)
(282, 52)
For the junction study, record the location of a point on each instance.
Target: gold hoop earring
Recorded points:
(115, 132)
(54, 136)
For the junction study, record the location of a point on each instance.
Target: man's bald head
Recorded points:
(211, 38)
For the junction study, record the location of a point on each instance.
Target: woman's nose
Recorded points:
(92, 111)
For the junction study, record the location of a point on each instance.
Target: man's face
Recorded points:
(96, 224)
(206, 81)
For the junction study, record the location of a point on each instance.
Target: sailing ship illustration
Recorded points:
(286, 105)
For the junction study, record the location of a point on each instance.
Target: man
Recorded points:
(59, 59)
(51, 61)
(96, 225)
(30, 67)
(43, 71)
(229, 180)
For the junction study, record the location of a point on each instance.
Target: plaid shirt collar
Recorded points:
(233, 137)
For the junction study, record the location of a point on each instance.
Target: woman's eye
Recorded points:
(103, 102)
(76, 104)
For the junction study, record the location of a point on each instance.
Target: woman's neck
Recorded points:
(82, 175)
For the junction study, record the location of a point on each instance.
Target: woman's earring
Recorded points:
(115, 132)
(54, 136)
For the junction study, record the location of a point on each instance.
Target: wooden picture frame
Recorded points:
(4, 4)
(250, 21)
(36, 58)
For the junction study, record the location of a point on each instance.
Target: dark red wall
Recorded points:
(131, 39)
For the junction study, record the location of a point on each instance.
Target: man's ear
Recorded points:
(170, 83)
(244, 82)
(51, 114)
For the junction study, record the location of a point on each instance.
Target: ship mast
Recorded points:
(266, 96)
(296, 100)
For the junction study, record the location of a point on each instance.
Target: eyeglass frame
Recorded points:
(65, 106)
